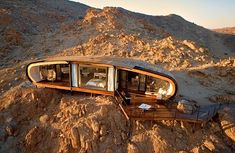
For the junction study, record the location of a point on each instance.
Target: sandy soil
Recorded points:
(46, 120)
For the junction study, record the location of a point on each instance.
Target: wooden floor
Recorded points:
(139, 98)
(66, 86)
(57, 84)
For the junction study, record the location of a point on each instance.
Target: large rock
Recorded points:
(44, 119)
(227, 121)
(186, 106)
(33, 137)
(75, 138)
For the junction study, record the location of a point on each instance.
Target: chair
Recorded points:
(51, 75)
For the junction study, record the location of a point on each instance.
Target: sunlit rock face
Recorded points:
(42, 120)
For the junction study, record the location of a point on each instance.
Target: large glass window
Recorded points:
(55, 72)
(142, 79)
(123, 79)
(158, 87)
(48, 72)
(132, 81)
(140, 83)
(64, 72)
(93, 77)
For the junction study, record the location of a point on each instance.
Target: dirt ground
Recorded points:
(47, 120)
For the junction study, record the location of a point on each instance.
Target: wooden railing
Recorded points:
(120, 102)
(120, 98)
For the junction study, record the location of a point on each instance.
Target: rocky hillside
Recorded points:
(40, 120)
(22, 21)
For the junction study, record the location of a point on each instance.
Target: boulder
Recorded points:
(44, 118)
(227, 121)
(209, 145)
(34, 136)
(75, 138)
(186, 106)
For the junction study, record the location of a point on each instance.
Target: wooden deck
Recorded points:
(166, 111)
(161, 112)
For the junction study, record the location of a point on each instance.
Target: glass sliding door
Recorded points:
(142, 82)
(122, 79)
(133, 81)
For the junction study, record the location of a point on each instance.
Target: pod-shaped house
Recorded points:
(103, 75)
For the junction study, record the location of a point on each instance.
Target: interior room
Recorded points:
(56, 73)
(93, 77)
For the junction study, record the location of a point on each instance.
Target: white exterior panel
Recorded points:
(110, 79)
(74, 75)
(116, 80)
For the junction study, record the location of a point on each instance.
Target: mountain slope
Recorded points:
(118, 32)
(37, 120)
(20, 21)
(227, 30)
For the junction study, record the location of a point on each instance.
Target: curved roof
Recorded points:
(115, 61)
